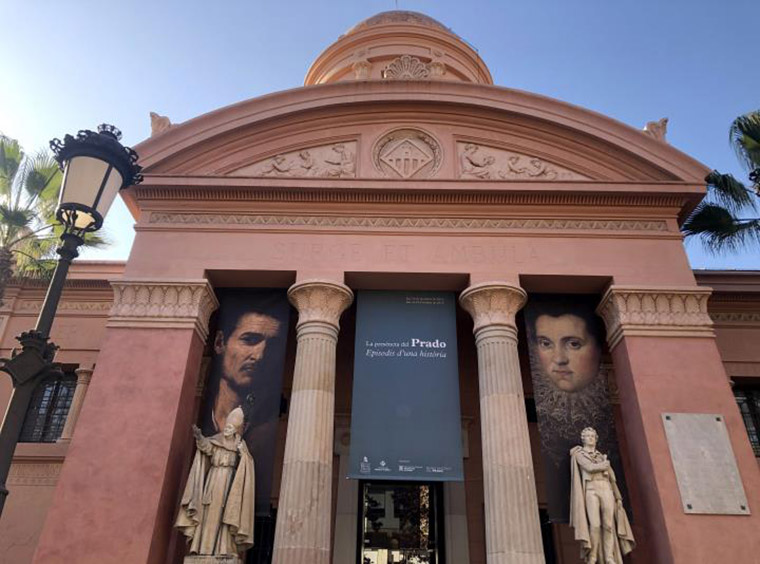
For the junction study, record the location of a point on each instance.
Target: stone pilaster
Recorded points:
(84, 375)
(135, 423)
(302, 535)
(653, 312)
(513, 530)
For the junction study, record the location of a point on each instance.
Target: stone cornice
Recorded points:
(493, 304)
(655, 312)
(501, 193)
(742, 318)
(75, 283)
(163, 304)
(320, 302)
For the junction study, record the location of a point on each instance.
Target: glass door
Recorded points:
(401, 523)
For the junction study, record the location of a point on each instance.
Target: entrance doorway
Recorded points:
(401, 523)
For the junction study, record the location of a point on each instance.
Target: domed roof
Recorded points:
(399, 45)
(399, 16)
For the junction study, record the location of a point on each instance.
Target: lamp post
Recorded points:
(95, 167)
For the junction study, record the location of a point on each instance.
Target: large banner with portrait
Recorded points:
(565, 341)
(405, 422)
(248, 359)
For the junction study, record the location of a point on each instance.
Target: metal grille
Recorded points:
(261, 553)
(48, 410)
(748, 399)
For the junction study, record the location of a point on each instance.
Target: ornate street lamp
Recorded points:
(95, 167)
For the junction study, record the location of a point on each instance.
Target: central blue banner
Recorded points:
(405, 422)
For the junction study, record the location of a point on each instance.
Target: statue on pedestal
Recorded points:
(218, 506)
(596, 507)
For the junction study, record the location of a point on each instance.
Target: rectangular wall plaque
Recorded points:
(706, 472)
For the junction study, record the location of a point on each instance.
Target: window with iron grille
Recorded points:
(48, 409)
(748, 398)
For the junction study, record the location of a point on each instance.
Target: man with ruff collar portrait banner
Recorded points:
(565, 343)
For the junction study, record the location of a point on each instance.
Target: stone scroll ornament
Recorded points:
(597, 514)
(217, 510)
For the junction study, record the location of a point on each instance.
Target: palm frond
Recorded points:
(44, 178)
(719, 230)
(727, 191)
(11, 157)
(744, 136)
(14, 217)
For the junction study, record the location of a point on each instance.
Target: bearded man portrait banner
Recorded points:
(247, 364)
(565, 342)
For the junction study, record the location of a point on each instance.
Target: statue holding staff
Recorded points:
(218, 505)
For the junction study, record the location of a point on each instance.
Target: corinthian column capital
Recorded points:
(320, 301)
(493, 304)
(655, 312)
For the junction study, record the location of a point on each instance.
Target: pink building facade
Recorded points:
(398, 166)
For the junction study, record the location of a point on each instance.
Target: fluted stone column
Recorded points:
(302, 535)
(513, 530)
(84, 375)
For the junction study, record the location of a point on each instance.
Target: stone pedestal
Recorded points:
(513, 530)
(198, 559)
(302, 535)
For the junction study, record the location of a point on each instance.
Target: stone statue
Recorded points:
(159, 124)
(218, 506)
(596, 507)
(657, 129)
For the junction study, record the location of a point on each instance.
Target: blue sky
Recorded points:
(72, 65)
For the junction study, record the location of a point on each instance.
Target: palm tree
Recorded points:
(29, 187)
(718, 220)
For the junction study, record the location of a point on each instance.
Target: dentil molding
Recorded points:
(663, 312)
(163, 304)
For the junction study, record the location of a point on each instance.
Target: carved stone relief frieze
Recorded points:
(337, 160)
(477, 162)
(407, 153)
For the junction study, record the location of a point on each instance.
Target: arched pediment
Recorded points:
(413, 130)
